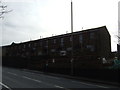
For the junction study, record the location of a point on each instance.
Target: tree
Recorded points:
(118, 37)
(3, 10)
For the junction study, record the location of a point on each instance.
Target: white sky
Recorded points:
(31, 19)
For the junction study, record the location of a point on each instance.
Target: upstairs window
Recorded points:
(35, 44)
(53, 50)
(41, 43)
(29, 44)
(54, 41)
(80, 38)
(62, 40)
(24, 46)
(92, 35)
(47, 43)
(69, 49)
(91, 48)
(70, 38)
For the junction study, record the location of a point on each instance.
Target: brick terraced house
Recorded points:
(88, 47)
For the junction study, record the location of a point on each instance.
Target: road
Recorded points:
(18, 78)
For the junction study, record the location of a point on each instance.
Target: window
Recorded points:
(41, 43)
(24, 46)
(18, 47)
(54, 41)
(53, 60)
(53, 50)
(62, 53)
(29, 45)
(69, 49)
(47, 43)
(62, 40)
(35, 44)
(91, 47)
(70, 38)
(39, 53)
(80, 38)
(92, 35)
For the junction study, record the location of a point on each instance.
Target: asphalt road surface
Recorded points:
(18, 78)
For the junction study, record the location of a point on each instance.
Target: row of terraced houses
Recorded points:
(89, 46)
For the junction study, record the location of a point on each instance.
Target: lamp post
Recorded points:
(72, 59)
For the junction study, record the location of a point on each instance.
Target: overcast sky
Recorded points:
(31, 19)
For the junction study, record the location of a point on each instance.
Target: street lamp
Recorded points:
(72, 59)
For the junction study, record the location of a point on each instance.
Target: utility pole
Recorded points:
(72, 56)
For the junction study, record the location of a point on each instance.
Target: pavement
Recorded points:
(22, 78)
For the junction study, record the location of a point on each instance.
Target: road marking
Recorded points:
(30, 71)
(90, 84)
(42, 82)
(51, 77)
(31, 79)
(61, 87)
(44, 75)
(34, 72)
(57, 78)
(58, 86)
(12, 73)
(5, 86)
